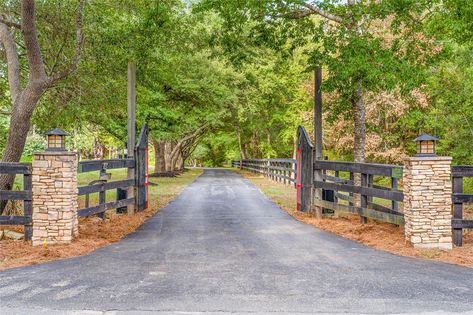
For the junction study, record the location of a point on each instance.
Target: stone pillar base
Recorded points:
(54, 197)
(428, 202)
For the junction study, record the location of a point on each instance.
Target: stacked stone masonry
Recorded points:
(54, 197)
(427, 202)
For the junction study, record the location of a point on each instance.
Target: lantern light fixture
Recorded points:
(426, 145)
(56, 140)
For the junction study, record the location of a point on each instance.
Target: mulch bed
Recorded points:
(93, 234)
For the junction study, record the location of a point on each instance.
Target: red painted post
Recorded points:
(298, 179)
(146, 175)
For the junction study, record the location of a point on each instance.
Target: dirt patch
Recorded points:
(382, 236)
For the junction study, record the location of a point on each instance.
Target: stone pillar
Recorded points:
(428, 202)
(54, 197)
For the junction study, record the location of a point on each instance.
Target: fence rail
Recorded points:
(102, 185)
(334, 185)
(459, 198)
(26, 195)
(280, 170)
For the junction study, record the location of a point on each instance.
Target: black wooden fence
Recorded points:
(459, 198)
(25, 195)
(332, 185)
(377, 201)
(141, 171)
(100, 186)
(280, 170)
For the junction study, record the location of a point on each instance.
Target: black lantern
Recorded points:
(56, 140)
(426, 145)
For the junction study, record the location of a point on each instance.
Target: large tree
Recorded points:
(366, 46)
(29, 79)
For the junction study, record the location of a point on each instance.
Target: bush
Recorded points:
(34, 143)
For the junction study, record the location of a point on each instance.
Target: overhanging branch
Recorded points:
(313, 10)
(78, 49)
(7, 22)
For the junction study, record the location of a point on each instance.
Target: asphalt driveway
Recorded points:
(221, 247)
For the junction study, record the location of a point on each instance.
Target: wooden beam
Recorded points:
(131, 128)
(89, 189)
(397, 219)
(14, 220)
(15, 195)
(462, 171)
(105, 206)
(366, 168)
(97, 165)
(15, 168)
(318, 113)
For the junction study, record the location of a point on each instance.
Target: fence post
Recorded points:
(394, 186)
(54, 186)
(458, 211)
(364, 198)
(141, 171)
(28, 207)
(428, 201)
(305, 170)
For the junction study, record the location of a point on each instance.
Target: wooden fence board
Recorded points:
(15, 195)
(462, 171)
(14, 220)
(462, 224)
(462, 198)
(15, 168)
(83, 190)
(365, 168)
(96, 165)
(369, 191)
(105, 206)
(397, 219)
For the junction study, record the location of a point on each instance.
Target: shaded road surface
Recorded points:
(221, 246)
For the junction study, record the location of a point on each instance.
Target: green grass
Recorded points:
(160, 187)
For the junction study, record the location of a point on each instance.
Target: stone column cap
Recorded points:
(67, 153)
(428, 158)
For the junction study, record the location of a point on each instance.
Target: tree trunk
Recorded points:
(159, 162)
(175, 159)
(268, 139)
(360, 124)
(19, 126)
(167, 156)
(24, 101)
(359, 136)
(180, 162)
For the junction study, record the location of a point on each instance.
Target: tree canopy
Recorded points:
(221, 80)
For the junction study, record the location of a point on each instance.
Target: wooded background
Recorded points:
(220, 80)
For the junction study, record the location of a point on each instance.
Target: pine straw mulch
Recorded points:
(382, 236)
(93, 234)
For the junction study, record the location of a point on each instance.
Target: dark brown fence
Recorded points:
(378, 201)
(280, 170)
(459, 198)
(141, 171)
(102, 185)
(26, 195)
